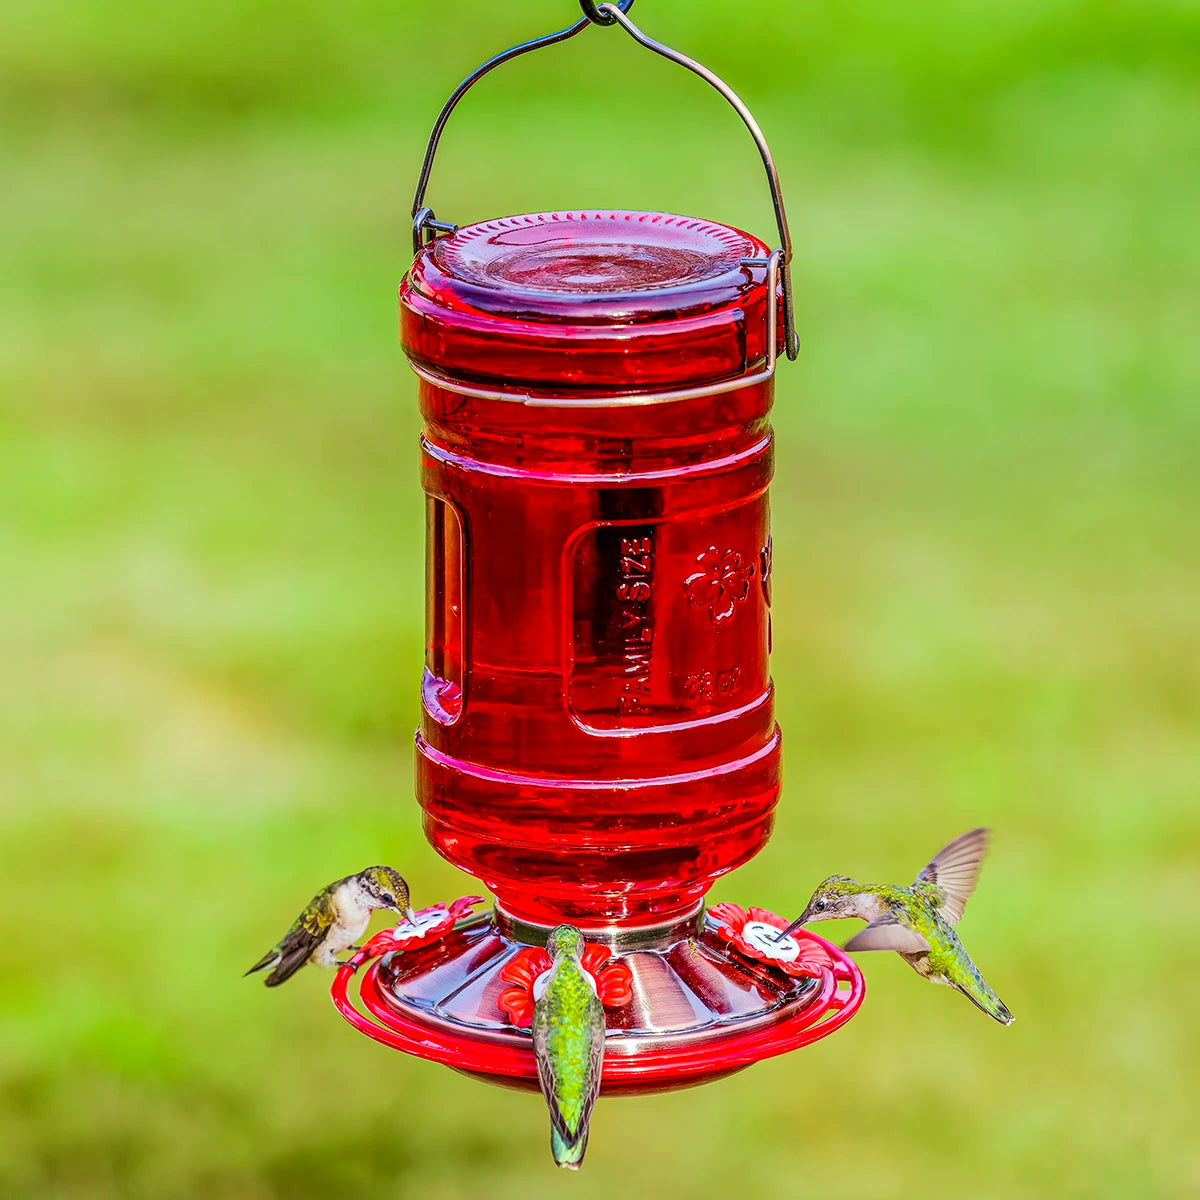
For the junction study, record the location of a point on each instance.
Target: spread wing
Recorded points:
(954, 870)
(294, 948)
(888, 934)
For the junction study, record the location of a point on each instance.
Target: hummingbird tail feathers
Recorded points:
(991, 1004)
(568, 1154)
(268, 960)
(288, 965)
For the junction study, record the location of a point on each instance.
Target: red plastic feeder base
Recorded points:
(693, 1003)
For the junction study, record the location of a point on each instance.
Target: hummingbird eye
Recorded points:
(389, 899)
(819, 906)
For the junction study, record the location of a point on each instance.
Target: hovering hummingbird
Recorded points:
(333, 920)
(568, 1040)
(917, 920)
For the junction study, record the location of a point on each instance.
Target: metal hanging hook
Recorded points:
(426, 226)
(597, 16)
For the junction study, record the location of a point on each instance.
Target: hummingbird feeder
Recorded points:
(597, 741)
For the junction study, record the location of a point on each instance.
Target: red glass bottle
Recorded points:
(597, 743)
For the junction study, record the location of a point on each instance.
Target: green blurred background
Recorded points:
(987, 529)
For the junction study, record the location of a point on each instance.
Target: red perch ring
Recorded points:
(632, 1064)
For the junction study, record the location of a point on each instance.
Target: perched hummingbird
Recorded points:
(333, 920)
(568, 1040)
(917, 921)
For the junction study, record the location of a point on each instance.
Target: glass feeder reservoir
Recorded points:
(598, 743)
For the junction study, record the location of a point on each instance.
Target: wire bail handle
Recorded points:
(426, 226)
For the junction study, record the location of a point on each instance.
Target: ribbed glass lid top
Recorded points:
(599, 258)
(574, 287)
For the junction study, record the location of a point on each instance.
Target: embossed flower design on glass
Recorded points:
(752, 932)
(433, 923)
(526, 969)
(721, 584)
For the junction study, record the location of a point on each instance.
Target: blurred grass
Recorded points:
(987, 597)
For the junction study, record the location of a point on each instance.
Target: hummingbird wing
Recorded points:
(954, 870)
(546, 1078)
(570, 1054)
(888, 934)
(306, 934)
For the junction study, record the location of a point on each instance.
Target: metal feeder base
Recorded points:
(699, 1010)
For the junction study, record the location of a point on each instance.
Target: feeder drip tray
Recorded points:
(683, 1004)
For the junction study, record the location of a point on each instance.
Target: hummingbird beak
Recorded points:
(409, 915)
(793, 926)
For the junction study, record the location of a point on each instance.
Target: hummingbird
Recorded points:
(333, 920)
(568, 1041)
(917, 920)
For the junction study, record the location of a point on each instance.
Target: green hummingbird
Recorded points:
(917, 920)
(333, 920)
(568, 1040)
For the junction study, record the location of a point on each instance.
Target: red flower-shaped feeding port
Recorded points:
(433, 923)
(753, 931)
(721, 584)
(613, 980)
